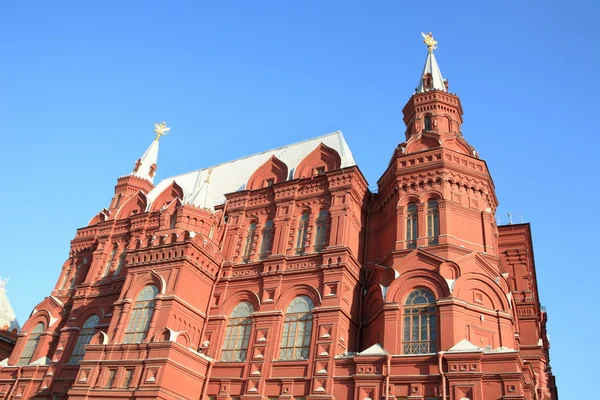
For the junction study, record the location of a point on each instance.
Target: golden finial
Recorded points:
(208, 176)
(429, 41)
(161, 130)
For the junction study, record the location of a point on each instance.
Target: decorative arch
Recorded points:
(242, 295)
(373, 301)
(271, 172)
(151, 278)
(468, 286)
(322, 157)
(99, 338)
(171, 192)
(400, 288)
(423, 141)
(287, 296)
(135, 205)
(431, 195)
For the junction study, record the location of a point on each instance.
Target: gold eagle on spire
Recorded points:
(161, 129)
(429, 41)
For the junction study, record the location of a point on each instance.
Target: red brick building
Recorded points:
(282, 276)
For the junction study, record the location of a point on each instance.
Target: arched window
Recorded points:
(85, 335)
(302, 232)
(267, 239)
(412, 226)
(420, 323)
(111, 260)
(121, 262)
(322, 224)
(139, 321)
(31, 345)
(249, 241)
(297, 330)
(427, 122)
(433, 222)
(237, 335)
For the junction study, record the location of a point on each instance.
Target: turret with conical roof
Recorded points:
(141, 178)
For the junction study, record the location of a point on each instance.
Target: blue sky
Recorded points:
(81, 84)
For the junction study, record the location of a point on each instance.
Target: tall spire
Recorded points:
(7, 314)
(145, 167)
(431, 78)
(202, 197)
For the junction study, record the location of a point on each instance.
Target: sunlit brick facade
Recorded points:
(282, 276)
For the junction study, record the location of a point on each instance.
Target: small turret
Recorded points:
(141, 177)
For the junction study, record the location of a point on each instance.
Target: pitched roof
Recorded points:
(232, 176)
(142, 170)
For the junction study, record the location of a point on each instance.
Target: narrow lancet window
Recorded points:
(412, 226)
(249, 242)
(433, 222)
(322, 228)
(141, 315)
(420, 323)
(302, 233)
(237, 335)
(427, 122)
(266, 246)
(297, 330)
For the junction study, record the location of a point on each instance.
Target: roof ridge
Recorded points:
(338, 132)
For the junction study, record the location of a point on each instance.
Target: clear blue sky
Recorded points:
(81, 84)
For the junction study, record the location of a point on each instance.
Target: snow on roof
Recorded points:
(232, 176)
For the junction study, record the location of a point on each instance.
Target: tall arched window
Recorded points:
(237, 335)
(297, 329)
(121, 262)
(85, 335)
(111, 260)
(427, 122)
(31, 345)
(249, 241)
(420, 323)
(267, 239)
(139, 321)
(433, 222)
(412, 226)
(302, 232)
(322, 224)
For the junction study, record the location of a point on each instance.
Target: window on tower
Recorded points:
(31, 345)
(237, 335)
(85, 336)
(266, 245)
(433, 222)
(427, 122)
(249, 242)
(420, 323)
(302, 233)
(322, 224)
(141, 315)
(297, 330)
(412, 226)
